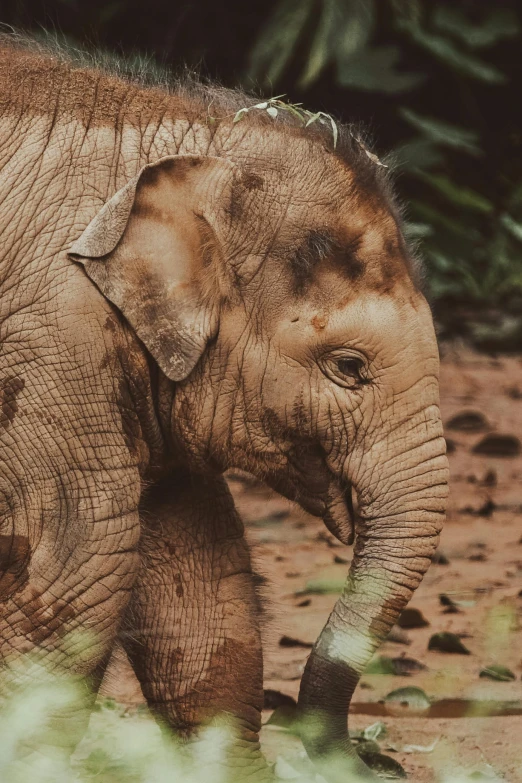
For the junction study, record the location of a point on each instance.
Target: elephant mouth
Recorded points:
(336, 509)
(311, 484)
(340, 516)
(334, 504)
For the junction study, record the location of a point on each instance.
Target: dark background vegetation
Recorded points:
(437, 83)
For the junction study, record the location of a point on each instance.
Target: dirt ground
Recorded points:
(480, 571)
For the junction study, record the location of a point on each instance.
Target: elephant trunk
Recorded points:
(397, 534)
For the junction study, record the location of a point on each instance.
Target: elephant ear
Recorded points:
(154, 251)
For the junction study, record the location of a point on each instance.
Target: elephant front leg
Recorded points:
(192, 630)
(59, 617)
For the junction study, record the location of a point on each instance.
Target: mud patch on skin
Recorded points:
(130, 422)
(110, 324)
(15, 556)
(10, 388)
(179, 586)
(319, 322)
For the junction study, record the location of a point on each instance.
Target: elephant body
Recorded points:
(142, 230)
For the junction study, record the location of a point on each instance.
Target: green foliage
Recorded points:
(446, 68)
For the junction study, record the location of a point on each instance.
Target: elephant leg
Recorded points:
(191, 630)
(64, 586)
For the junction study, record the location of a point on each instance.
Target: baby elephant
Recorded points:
(182, 293)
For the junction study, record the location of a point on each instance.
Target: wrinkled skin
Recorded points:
(201, 321)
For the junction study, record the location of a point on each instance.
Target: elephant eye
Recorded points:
(345, 370)
(350, 369)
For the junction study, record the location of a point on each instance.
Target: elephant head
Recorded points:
(274, 288)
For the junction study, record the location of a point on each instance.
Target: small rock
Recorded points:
(514, 392)
(386, 766)
(448, 643)
(495, 445)
(367, 748)
(489, 479)
(341, 560)
(289, 641)
(398, 636)
(380, 665)
(449, 604)
(468, 421)
(439, 558)
(399, 667)
(484, 510)
(412, 618)
(305, 602)
(412, 698)
(497, 672)
(405, 667)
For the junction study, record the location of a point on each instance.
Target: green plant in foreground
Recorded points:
(124, 746)
(128, 746)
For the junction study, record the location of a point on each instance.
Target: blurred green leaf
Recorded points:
(457, 194)
(433, 216)
(275, 46)
(374, 70)
(515, 197)
(514, 228)
(414, 231)
(418, 153)
(500, 23)
(440, 132)
(344, 28)
(446, 51)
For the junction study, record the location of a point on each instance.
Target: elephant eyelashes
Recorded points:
(345, 370)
